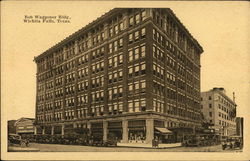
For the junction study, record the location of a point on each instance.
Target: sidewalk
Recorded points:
(144, 145)
(22, 149)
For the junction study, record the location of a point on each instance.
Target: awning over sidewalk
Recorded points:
(163, 130)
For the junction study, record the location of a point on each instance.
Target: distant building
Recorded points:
(25, 126)
(133, 72)
(239, 126)
(11, 127)
(219, 110)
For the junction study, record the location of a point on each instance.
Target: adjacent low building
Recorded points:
(219, 110)
(11, 127)
(25, 126)
(133, 72)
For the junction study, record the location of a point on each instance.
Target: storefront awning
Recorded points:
(163, 130)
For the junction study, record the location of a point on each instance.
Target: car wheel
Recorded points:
(23, 144)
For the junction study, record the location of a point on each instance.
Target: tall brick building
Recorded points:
(133, 72)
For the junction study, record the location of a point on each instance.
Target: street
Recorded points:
(78, 148)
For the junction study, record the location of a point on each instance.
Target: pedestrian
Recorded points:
(156, 142)
(153, 143)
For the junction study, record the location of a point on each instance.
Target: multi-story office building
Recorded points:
(219, 110)
(134, 72)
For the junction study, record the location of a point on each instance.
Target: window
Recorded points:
(115, 46)
(110, 48)
(130, 38)
(209, 98)
(131, 21)
(121, 42)
(121, 26)
(130, 106)
(137, 18)
(130, 55)
(142, 51)
(210, 114)
(143, 32)
(130, 71)
(143, 84)
(116, 29)
(210, 105)
(137, 36)
(136, 53)
(130, 87)
(137, 70)
(111, 32)
(143, 68)
(143, 15)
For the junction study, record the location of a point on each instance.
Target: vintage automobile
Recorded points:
(16, 139)
(111, 140)
(200, 140)
(232, 142)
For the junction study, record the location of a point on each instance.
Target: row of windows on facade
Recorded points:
(136, 105)
(84, 58)
(223, 108)
(159, 89)
(175, 52)
(113, 93)
(175, 33)
(96, 82)
(224, 123)
(225, 116)
(98, 66)
(114, 77)
(114, 46)
(98, 35)
(137, 52)
(136, 35)
(225, 102)
(115, 60)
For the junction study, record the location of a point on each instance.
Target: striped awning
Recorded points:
(163, 130)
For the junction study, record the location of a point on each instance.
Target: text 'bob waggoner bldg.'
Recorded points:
(133, 72)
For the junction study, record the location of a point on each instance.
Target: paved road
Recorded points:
(78, 148)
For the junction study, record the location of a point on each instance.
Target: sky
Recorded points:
(222, 29)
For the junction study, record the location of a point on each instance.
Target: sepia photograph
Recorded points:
(108, 79)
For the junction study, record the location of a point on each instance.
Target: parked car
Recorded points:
(16, 139)
(232, 142)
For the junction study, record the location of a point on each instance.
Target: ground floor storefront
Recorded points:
(137, 128)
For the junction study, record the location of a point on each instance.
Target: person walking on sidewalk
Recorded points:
(153, 143)
(156, 142)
